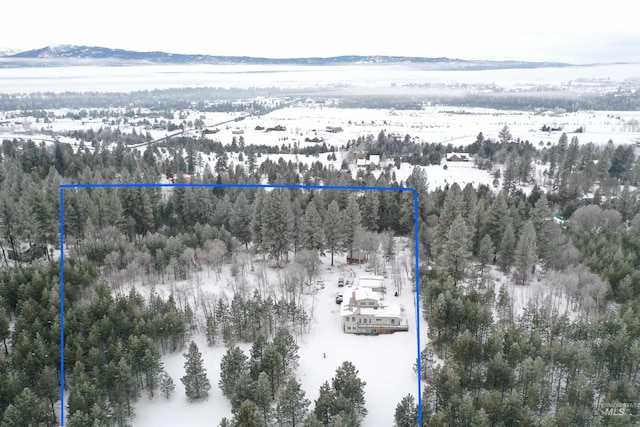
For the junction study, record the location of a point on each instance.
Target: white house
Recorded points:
(362, 313)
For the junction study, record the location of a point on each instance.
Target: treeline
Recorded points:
(159, 99)
(571, 354)
(622, 100)
(112, 346)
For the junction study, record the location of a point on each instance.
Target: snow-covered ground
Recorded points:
(458, 126)
(385, 362)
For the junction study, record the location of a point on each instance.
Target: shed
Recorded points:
(357, 257)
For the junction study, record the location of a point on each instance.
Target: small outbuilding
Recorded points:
(357, 257)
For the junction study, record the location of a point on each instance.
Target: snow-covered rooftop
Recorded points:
(393, 310)
(375, 283)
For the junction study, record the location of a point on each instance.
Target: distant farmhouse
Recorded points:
(458, 157)
(334, 129)
(365, 161)
(362, 313)
(314, 139)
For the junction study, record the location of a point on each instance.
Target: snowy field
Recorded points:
(385, 362)
(458, 126)
(433, 124)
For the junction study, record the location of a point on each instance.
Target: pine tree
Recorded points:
(406, 414)
(256, 353)
(150, 365)
(497, 220)
(427, 363)
(167, 387)
(80, 419)
(349, 392)
(505, 134)
(311, 421)
(273, 366)
(28, 410)
(243, 390)
(351, 225)
(211, 330)
(42, 215)
(570, 160)
(277, 224)
(526, 254)
(285, 344)
(240, 221)
(247, 415)
(48, 387)
(293, 407)
(324, 404)
(333, 228)
(370, 210)
(234, 363)
(541, 218)
(5, 332)
(222, 213)
(453, 207)
(455, 253)
(560, 151)
(507, 246)
(345, 418)
(195, 381)
(486, 252)
(126, 388)
(262, 397)
(525, 167)
(626, 203)
(499, 375)
(256, 219)
(510, 175)
(468, 415)
(311, 229)
(418, 181)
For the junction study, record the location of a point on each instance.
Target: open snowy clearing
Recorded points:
(385, 362)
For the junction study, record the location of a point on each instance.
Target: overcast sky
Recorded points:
(554, 30)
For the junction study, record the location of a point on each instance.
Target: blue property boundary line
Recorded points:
(63, 187)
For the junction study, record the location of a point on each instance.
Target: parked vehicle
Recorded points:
(339, 298)
(341, 282)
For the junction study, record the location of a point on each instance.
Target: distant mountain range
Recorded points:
(70, 55)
